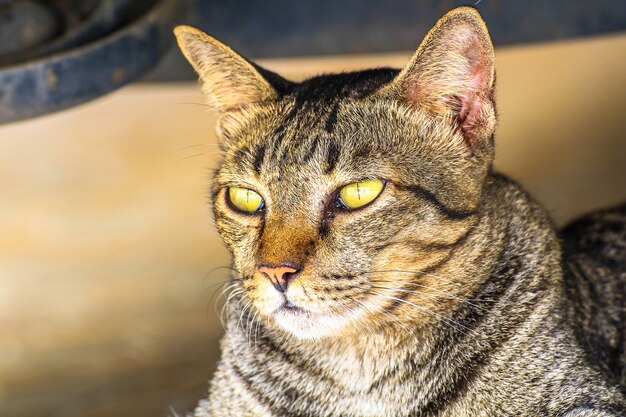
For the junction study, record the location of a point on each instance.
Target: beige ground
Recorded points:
(108, 256)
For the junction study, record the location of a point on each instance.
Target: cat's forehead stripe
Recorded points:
(298, 136)
(333, 151)
(309, 131)
(332, 118)
(259, 157)
(314, 107)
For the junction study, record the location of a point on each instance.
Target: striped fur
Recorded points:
(449, 295)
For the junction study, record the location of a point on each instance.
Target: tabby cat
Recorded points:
(383, 269)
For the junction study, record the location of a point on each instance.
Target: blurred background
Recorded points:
(110, 267)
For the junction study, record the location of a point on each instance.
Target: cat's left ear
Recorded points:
(230, 82)
(452, 73)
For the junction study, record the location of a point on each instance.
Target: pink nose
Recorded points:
(280, 276)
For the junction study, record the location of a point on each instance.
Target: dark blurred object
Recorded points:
(56, 54)
(283, 28)
(59, 53)
(24, 24)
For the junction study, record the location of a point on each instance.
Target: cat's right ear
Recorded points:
(230, 83)
(452, 74)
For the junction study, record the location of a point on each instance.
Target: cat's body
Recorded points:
(595, 279)
(445, 295)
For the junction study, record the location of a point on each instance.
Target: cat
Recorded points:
(382, 267)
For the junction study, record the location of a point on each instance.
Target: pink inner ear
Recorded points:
(473, 98)
(469, 117)
(453, 75)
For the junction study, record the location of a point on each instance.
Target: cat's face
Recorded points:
(338, 195)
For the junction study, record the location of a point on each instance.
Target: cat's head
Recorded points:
(340, 196)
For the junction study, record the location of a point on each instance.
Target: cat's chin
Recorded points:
(305, 324)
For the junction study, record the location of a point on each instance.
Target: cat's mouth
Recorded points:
(305, 323)
(290, 308)
(297, 313)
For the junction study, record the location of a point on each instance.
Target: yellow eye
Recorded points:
(245, 199)
(358, 194)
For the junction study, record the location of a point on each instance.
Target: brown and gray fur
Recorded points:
(449, 295)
